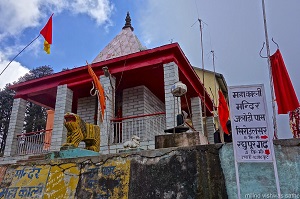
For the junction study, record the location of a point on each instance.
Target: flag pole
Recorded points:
(19, 54)
(202, 61)
(273, 101)
(270, 72)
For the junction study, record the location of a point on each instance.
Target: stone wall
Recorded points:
(257, 180)
(63, 104)
(15, 126)
(166, 173)
(205, 171)
(171, 76)
(86, 108)
(116, 148)
(139, 101)
(136, 101)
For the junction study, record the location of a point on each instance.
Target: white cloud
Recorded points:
(13, 72)
(98, 10)
(236, 34)
(16, 16)
(166, 21)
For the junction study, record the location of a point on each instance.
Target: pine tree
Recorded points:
(6, 102)
(35, 116)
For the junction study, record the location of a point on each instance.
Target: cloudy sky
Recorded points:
(82, 28)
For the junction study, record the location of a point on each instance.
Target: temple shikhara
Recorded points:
(137, 85)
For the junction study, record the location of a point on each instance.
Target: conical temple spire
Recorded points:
(128, 22)
(123, 44)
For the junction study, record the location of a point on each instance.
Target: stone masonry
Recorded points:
(171, 76)
(210, 129)
(136, 101)
(133, 101)
(206, 171)
(197, 114)
(15, 126)
(64, 98)
(86, 108)
(109, 85)
(139, 101)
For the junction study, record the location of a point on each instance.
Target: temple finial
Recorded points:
(128, 22)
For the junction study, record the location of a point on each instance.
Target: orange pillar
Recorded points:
(49, 125)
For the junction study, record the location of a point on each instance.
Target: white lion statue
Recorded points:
(133, 143)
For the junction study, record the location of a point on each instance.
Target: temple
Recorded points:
(150, 94)
(137, 82)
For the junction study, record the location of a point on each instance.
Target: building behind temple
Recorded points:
(137, 83)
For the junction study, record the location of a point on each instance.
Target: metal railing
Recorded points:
(144, 126)
(34, 142)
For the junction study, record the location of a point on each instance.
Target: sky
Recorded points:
(233, 29)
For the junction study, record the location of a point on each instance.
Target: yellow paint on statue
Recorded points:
(79, 131)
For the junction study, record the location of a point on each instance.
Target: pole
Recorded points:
(19, 54)
(215, 103)
(270, 72)
(215, 81)
(273, 101)
(202, 57)
(174, 117)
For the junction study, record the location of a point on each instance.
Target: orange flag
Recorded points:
(223, 112)
(101, 95)
(47, 34)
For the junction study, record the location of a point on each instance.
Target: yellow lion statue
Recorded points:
(79, 131)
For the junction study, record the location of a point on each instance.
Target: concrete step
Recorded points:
(33, 158)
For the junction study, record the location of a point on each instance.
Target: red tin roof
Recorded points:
(140, 68)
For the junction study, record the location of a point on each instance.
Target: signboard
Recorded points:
(249, 119)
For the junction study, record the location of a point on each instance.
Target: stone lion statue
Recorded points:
(133, 143)
(79, 131)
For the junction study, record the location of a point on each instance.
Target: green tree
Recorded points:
(36, 73)
(35, 116)
(6, 102)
